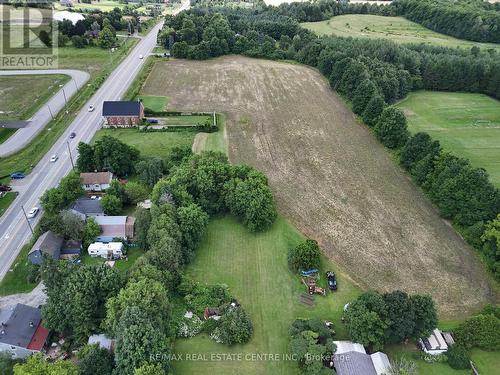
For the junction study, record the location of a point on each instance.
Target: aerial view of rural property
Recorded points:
(251, 187)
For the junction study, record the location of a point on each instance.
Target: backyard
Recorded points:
(397, 29)
(468, 125)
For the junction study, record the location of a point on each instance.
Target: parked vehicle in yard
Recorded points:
(17, 175)
(5, 187)
(332, 280)
(33, 212)
(54, 158)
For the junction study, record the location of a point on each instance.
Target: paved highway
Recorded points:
(14, 230)
(38, 121)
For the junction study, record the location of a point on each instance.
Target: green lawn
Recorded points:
(121, 265)
(99, 63)
(5, 133)
(212, 141)
(19, 103)
(397, 29)
(6, 201)
(186, 120)
(150, 143)
(466, 124)
(254, 266)
(105, 6)
(154, 103)
(487, 363)
(15, 281)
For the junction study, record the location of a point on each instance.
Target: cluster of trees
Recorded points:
(305, 256)
(462, 193)
(107, 154)
(98, 28)
(312, 345)
(481, 331)
(465, 19)
(375, 319)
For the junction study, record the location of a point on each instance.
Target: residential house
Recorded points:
(111, 250)
(48, 243)
(115, 227)
(351, 359)
(21, 330)
(96, 181)
(437, 343)
(87, 207)
(70, 249)
(102, 340)
(122, 114)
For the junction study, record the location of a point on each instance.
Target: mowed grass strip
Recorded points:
(397, 29)
(150, 143)
(21, 96)
(254, 266)
(468, 125)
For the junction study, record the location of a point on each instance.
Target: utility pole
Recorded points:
(51, 115)
(27, 220)
(70, 156)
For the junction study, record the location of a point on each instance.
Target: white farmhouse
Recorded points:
(111, 250)
(96, 181)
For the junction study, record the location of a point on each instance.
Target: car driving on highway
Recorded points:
(54, 158)
(72, 135)
(91, 108)
(33, 212)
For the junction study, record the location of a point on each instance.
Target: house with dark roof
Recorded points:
(96, 181)
(70, 249)
(21, 330)
(122, 114)
(85, 207)
(351, 359)
(49, 244)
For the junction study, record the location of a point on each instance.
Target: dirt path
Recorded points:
(330, 176)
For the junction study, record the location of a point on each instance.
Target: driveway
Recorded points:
(34, 298)
(24, 136)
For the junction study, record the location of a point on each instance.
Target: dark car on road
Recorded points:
(332, 280)
(17, 175)
(72, 135)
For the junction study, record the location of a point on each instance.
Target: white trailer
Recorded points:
(111, 250)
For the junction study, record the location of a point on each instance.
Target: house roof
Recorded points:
(71, 247)
(348, 346)
(121, 108)
(111, 220)
(48, 243)
(39, 338)
(88, 206)
(380, 362)
(90, 178)
(353, 363)
(435, 341)
(112, 226)
(102, 340)
(20, 323)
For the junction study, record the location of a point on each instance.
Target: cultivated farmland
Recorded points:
(397, 29)
(466, 124)
(330, 176)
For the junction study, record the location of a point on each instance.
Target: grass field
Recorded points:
(99, 64)
(19, 103)
(331, 178)
(154, 103)
(121, 265)
(15, 281)
(104, 6)
(397, 29)
(5, 201)
(150, 143)
(466, 124)
(254, 267)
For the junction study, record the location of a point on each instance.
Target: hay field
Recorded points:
(330, 177)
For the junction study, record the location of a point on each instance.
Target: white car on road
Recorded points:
(33, 212)
(54, 158)
(91, 108)
(140, 56)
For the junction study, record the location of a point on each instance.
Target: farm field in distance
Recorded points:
(466, 124)
(361, 207)
(397, 29)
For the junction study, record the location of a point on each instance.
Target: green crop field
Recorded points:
(468, 125)
(397, 29)
(254, 266)
(16, 102)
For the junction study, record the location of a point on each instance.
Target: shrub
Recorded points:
(391, 129)
(235, 326)
(304, 256)
(481, 331)
(190, 327)
(458, 358)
